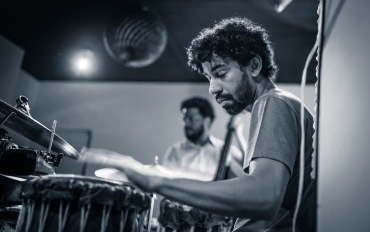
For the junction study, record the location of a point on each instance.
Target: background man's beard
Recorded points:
(244, 97)
(196, 135)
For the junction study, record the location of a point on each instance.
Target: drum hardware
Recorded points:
(153, 198)
(10, 188)
(50, 157)
(22, 105)
(4, 135)
(9, 217)
(5, 141)
(78, 203)
(11, 146)
(19, 163)
(53, 159)
(52, 136)
(12, 154)
(6, 118)
(5, 227)
(178, 217)
(10, 214)
(18, 119)
(24, 162)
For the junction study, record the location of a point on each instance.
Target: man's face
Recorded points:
(193, 123)
(232, 86)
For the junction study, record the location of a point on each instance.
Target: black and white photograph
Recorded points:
(184, 116)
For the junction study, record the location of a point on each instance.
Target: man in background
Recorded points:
(201, 151)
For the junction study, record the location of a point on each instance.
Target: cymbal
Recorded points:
(111, 174)
(33, 130)
(16, 178)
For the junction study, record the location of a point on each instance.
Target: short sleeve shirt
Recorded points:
(275, 133)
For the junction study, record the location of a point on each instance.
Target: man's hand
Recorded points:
(144, 176)
(147, 176)
(141, 175)
(108, 158)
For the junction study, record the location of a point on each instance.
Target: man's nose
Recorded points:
(214, 87)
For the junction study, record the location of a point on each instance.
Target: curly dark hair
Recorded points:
(237, 38)
(204, 106)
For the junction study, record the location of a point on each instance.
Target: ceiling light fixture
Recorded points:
(84, 63)
(136, 37)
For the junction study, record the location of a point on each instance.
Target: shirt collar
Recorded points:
(211, 141)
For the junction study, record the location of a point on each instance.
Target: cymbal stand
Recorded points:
(51, 158)
(22, 105)
(6, 118)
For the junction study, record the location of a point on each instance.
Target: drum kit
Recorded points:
(33, 198)
(178, 217)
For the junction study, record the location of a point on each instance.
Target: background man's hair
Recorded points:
(204, 106)
(237, 38)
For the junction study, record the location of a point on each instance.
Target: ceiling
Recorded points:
(51, 32)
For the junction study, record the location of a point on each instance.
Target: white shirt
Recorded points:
(185, 154)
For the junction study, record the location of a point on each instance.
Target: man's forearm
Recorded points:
(256, 195)
(231, 197)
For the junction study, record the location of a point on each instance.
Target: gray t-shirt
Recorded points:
(275, 133)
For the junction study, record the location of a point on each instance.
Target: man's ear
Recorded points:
(256, 65)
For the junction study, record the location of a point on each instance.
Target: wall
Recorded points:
(14, 81)
(26, 85)
(10, 62)
(344, 188)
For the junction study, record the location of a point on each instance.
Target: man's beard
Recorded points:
(197, 133)
(243, 92)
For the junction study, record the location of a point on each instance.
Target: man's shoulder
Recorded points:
(278, 94)
(175, 149)
(280, 97)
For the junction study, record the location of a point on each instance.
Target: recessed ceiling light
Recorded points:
(84, 63)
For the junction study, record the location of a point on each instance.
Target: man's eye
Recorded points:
(221, 73)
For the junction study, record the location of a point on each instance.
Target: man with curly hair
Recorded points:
(237, 58)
